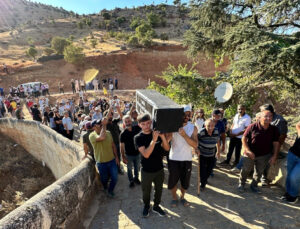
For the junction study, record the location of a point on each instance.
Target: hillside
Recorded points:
(24, 24)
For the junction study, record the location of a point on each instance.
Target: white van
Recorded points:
(32, 85)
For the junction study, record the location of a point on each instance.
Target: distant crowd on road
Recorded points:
(113, 132)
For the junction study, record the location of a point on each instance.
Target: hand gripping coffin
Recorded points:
(166, 114)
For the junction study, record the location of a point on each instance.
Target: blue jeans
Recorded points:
(108, 170)
(240, 164)
(293, 174)
(135, 161)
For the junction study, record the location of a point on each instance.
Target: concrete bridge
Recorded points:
(75, 200)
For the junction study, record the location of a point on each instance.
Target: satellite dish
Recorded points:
(223, 92)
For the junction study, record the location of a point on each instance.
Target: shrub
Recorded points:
(32, 52)
(48, 51)
(135, 22)
(146, 41)
(101, 25)
(120, 20)
(59, 44)
(30, 41)
(71, 38)
(112, 33)
(153, 19)
(122, 36)
(80, 25)
(88, 22)
(144, 30)
(108, 24)
(73, 54)
(94, 42)
(106, 15)
(164, 37)
(133, 41)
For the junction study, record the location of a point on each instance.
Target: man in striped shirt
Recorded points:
(209, 147)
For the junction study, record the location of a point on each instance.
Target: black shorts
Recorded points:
(179, 170)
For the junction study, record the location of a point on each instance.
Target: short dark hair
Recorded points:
(143, 118)
(267, 107)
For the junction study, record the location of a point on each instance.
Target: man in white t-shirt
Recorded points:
(240, 122)
(68, 125)
(97, 115)
(180, 157)
(61, 109)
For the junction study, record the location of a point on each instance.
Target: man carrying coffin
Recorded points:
(151, 144)
(180, 157)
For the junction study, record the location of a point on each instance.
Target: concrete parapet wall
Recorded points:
(60, 205)
(58, 152)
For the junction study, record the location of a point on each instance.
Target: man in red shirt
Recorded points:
(259, 140)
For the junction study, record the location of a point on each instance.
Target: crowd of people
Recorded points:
(259, 141)
(112, 132)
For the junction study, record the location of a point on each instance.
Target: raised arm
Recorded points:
(193, 140)
(146, 152)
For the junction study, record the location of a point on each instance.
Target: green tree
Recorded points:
(32, 52)
(176, 2)
(135, 22)
(106, 15)
(258, 37)
(153, 19)
(73, 54)
(59, 44)
(185, 85)
(133, 41)
(144, 30)
(94, 43)
(120, 20)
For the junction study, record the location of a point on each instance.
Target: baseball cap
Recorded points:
(96, 122)
(88, 125)
(186, 108)
(216, 112)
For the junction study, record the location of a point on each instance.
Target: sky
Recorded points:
(94, 6)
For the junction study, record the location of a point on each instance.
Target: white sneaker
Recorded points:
(235, 170)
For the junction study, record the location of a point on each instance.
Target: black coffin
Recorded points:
(166, 114)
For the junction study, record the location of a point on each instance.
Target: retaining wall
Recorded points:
(59, 205)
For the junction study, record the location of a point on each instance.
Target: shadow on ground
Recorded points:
(219, 206)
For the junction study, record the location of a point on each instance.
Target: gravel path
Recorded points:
(219, 206)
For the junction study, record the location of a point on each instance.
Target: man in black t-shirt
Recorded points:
(36, 114)
(58, 122)
(46, 119)
(151, 144)
(113, 127)
(127, 147)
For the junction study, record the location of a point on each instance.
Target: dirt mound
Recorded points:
(21, 176)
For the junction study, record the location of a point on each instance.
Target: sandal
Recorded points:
(184, 202)
(174, 203)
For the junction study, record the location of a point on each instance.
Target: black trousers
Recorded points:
(206, 167)
(147, 179)
(234, 144)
